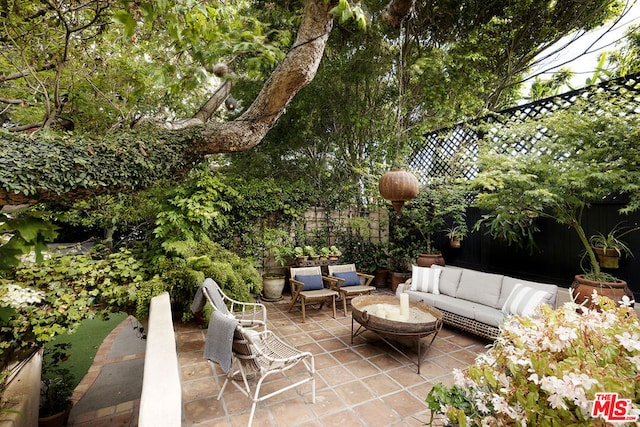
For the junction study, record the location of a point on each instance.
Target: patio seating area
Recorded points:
(364, 384)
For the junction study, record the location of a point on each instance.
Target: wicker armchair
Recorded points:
(349, 282)
(315, 293)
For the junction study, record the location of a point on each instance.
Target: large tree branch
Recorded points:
(38, 168)
(292, 74)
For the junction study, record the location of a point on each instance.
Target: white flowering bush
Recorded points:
(17, 297)
(546, 370)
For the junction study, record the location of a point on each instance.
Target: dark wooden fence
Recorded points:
(452, 151)
(558, 257)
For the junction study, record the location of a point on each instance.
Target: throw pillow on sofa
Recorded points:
(425, 279)
(523, 300)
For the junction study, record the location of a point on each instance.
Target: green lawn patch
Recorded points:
(85, 343)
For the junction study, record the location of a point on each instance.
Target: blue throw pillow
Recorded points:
(311, 282)
(350, 278)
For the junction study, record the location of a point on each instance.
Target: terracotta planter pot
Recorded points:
(380, 278)
(427, 260)
(55, 420)
(583, 289)
(608, 258)
(397, 278)
(454, 243)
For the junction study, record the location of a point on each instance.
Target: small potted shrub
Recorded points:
(609, 248)
(334, 253)
(311, 252)
(325, 252)
(456, 234)
(278, 243)
(56, 388)
(298, 252)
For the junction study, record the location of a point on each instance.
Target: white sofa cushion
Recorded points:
(480, 287)
(425, 279)
(488, 315)
(454, 305)
(449, 280)
(425, 297)
(508, 283)
(523, 300)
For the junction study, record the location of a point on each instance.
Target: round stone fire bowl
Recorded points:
(422, 318)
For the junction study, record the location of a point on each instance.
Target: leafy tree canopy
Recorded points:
(99, 68)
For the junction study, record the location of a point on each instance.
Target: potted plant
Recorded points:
(278, 244)
(311, 252)
(518, 189)
(456, 234)
(400, 265)
(325, 252)
(440, 201)
(609, 248)
(298, 252)
(56, 388)
(381, 265)
(334, 253)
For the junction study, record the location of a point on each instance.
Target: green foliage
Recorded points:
(344, 12)
(358, 251)
(626, 60)
(440, 396)
(197, 208)
(73, 287)
(280, 244)
(440, 203)
(57, 381)
(580, 155)
(109, 213)
(21, 232)
(51, 163)
(187, 263)
(545, 88)
(106, 64)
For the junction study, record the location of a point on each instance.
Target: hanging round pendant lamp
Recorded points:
(398, 186)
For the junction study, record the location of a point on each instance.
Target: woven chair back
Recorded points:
(305, 271)
(341, 268)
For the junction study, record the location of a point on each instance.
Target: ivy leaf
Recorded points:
(124, 18)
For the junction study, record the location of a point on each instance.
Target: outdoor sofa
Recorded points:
(475, 301)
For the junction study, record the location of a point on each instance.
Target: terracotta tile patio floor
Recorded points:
(364, 384)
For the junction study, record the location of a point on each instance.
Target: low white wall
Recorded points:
(22, 394)
(161, 400)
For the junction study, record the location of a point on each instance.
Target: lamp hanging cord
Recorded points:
(399, 133)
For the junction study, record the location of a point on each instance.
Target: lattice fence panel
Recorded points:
(454, 151)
